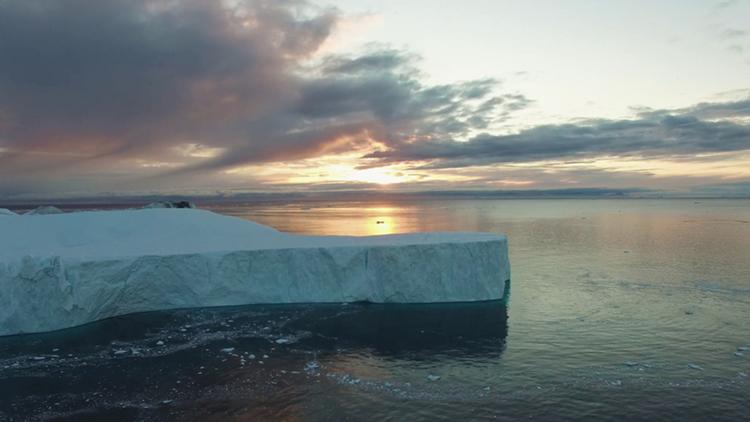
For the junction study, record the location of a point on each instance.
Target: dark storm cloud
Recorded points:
(655, 134)
(377, 96)
(93, 81)
(122, 75)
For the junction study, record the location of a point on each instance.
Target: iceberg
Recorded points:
(63, 270)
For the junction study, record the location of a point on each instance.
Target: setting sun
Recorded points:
(379, 175)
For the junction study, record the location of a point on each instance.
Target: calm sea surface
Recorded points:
(619, 310)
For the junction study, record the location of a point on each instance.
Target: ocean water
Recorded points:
(618, 310)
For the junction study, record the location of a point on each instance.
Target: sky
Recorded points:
(150, 97)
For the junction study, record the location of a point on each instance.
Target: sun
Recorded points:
(379, 176)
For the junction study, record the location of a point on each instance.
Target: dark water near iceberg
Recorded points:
(619, 310)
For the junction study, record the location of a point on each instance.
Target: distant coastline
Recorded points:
(120, 202)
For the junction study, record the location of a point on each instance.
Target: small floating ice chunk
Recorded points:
(312, 366)
(694, 366)
(120, 352)
(160, 343)
(433, 377)
(346, 379)
(283, 341)
(228, 350)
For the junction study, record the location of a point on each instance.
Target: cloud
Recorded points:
(707, 110)
(726, 4)
(200, 86)
(730, 33)
(167, 95)
(654, 134)
(129, 77)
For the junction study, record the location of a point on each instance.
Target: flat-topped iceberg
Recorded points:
(62, 270)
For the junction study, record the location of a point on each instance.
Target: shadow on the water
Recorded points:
(466, 329)
(388, 329)
(254, 352)
(88, 336)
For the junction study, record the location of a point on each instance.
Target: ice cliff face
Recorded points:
(62, 270)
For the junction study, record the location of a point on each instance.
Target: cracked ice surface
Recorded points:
(62, 270)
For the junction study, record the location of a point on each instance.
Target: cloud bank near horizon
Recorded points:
(153, 94)
(704, 129)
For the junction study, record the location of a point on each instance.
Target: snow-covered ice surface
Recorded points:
(62, 270)
(44, 210)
